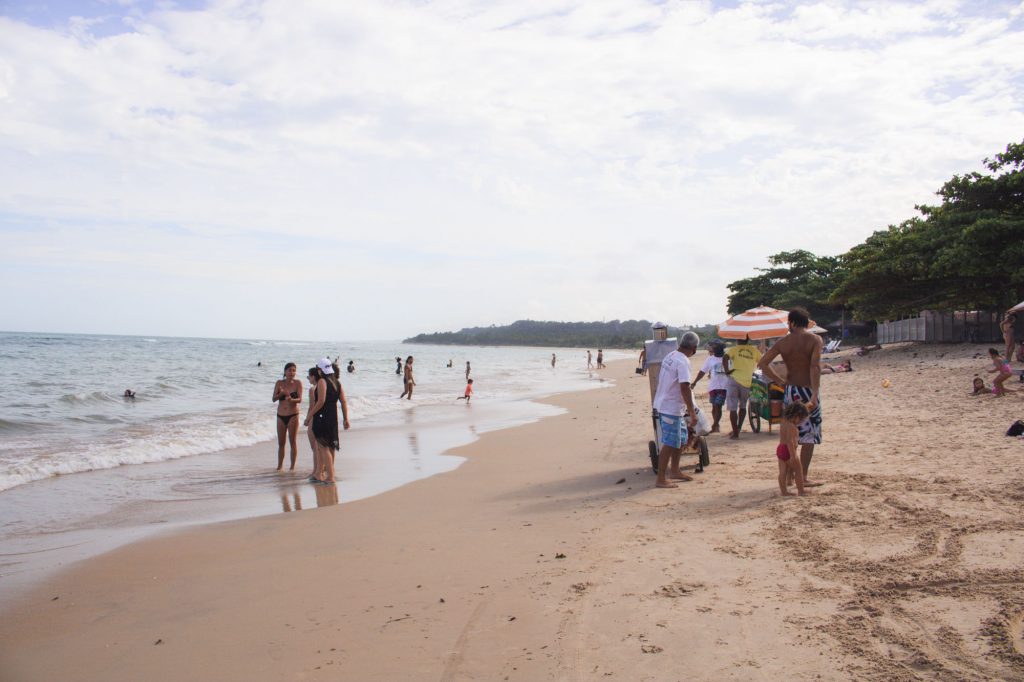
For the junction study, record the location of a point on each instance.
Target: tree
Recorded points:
(966, 253)
(795, 278)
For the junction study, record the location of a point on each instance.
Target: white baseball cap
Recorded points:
(325, 366)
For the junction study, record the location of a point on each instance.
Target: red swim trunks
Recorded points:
(782, 452)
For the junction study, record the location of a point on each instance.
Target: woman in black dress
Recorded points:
(324, 419)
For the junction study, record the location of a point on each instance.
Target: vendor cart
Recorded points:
(656, 350)
(765, 403)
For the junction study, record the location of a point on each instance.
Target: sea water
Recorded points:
(83, 469)
(62, 409)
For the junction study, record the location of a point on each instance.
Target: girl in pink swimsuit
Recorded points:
(1002, 369)
(786, 452)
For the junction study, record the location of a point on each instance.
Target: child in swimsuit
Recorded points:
(469, 391)
(1001, 367)
(787, 451)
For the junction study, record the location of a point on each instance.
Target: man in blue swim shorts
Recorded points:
(801, 353)
(672, 400)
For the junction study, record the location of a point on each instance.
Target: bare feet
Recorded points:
(812, 484)
(734, 435)
(786, 494)
(680, 477)
(659, 484)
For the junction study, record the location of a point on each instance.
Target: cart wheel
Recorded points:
(705, 459)
(754, 417)
(653, 447)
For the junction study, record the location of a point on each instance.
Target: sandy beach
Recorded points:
(549, 555)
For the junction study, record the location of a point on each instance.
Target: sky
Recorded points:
(343, 170)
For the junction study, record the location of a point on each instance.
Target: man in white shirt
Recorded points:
(672, 400)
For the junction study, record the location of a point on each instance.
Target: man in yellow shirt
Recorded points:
(739, 363)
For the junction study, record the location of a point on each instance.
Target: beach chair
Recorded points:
(832, 346)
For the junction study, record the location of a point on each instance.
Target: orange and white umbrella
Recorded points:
(757, 323)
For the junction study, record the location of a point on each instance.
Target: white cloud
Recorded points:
(490, 160)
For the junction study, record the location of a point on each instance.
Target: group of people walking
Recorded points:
(325, 395)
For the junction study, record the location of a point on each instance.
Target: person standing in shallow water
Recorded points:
(398, 367)
(600, 359)
(552, 359)
(288, 396)
(409, 381)
(324, 421)
(467, 370)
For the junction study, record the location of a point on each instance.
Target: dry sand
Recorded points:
(535, 560)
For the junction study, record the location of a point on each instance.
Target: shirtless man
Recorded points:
(801, 353)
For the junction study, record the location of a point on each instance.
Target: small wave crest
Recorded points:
(93, 398)
(170, 443)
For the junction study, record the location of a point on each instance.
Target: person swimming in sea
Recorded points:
(129, 394)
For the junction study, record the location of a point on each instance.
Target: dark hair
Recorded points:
(795, 409)
(993, 352)
(799, 317)
(470, 381)
(717, 349)
(288, 367)
(313, 372)
(408, 359)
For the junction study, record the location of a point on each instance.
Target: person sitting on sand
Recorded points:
(469, 391)
(789, 464)
(1003, 372)
(979, 386)
(673, 400)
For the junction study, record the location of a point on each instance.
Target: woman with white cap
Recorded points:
(324, 420)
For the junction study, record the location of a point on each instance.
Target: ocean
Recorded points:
(62, 409)
(82, 469)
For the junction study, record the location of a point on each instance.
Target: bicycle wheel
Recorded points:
(754, 417)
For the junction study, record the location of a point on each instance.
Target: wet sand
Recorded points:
(549, 555)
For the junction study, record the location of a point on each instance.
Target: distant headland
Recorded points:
(612, 334)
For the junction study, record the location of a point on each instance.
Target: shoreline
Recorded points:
(55, 522)
(549, 555)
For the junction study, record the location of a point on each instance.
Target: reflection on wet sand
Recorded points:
(326, 496)
(294, 505)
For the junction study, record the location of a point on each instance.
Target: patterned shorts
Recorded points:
(673, 431)
(810, 428)
(717, 397)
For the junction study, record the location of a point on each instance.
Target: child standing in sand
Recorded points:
(469, 391)
(1001, 367)
(786, 452)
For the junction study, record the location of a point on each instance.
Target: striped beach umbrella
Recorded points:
(757, 323)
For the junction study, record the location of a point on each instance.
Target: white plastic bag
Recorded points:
(703, 425)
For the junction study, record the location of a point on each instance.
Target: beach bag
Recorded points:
(1016, 428)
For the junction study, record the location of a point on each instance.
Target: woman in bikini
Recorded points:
(1009, 319)
(287, 395)
(1002, 369)
(409, 381)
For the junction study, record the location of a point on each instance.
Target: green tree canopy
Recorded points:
(966, 253)
(794, 278)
